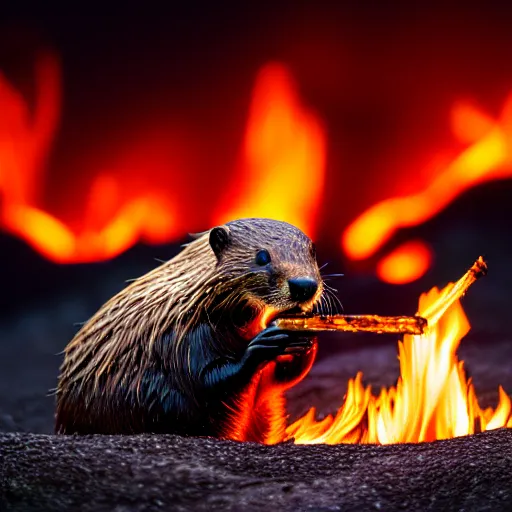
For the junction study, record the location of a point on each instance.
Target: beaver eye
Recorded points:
(262, 258)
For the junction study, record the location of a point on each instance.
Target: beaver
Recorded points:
(189, 347)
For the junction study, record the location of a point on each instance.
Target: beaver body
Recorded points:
(186, 348)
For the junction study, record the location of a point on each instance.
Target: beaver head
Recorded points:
(266, 267)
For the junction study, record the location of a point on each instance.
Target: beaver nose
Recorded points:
(302, 288)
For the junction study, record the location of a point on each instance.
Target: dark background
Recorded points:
(382, 78)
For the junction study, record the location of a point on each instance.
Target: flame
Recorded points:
(432, 399)
(25, 142)
(487, 158)
(283, 163)
(280, 174)
(138, 197)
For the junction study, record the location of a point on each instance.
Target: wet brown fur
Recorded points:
(102, 386)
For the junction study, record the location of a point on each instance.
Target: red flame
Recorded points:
(488, 158)
(25, 142)
(25, 137)
(281, 174)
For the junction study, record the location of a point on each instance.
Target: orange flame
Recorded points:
(25, 142)
(432, 399)
(488, 158)
(281, 175)
(283, 164)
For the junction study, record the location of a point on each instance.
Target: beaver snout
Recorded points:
(302, 288)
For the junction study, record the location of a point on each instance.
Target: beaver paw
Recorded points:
(273, 342)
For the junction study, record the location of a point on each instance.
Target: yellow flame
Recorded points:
(432, 399)
(283, 162)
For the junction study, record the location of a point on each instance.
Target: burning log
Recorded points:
(416, 325)
(356, 323)
(454, 293)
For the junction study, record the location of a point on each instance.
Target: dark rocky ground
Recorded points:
(41, 471)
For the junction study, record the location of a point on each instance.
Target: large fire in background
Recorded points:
(487, 157)
(282, 170)
(280, 174)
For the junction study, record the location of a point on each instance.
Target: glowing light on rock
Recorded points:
(406, 263)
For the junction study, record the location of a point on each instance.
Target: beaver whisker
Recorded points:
(332, 292)
(324, 304)
(329, 301)
(318, 307)
(328, 306)
(330, 288)
(338, 306)
(323, 266)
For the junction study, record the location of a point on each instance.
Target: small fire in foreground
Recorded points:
(433, 398)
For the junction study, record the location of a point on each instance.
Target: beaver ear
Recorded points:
(220, 238)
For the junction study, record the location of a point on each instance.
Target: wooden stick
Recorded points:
(355, 323)
(416, 325)
(458, 290)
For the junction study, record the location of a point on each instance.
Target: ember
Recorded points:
(432, 399)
